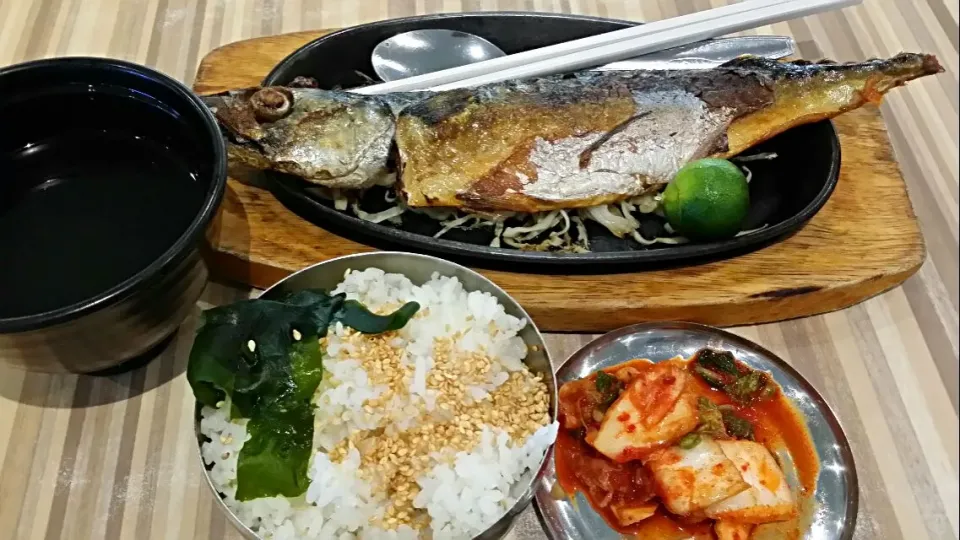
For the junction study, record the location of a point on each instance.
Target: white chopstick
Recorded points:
(662, 40)
(612, 46)
(428, 80)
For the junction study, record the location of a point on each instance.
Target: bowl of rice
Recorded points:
(438, 430)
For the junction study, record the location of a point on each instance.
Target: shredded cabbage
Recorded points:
(647, 203)
(497, 233)
(388, 214)
(555, 230)
(340, 201)
(581, 232)
(566, 222)
(762, 156)
(610, 217)
(556, 240)
(454, 223)
(523, 237)
(541, 223)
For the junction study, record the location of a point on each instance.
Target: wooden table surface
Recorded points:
(92, 458)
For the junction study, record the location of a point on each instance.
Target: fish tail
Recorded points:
(898, 71)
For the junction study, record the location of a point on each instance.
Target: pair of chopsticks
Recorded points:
(613, 46)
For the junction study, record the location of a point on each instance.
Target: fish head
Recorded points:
(327, 137)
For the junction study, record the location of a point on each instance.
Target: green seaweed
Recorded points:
(274, 460)
(264, 356)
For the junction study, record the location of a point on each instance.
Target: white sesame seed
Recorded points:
(252, 345)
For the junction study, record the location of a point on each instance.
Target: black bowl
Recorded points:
(109, 175)
(785, 193)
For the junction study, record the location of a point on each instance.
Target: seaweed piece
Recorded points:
(243, 350)
(264, 356)
(274, 460)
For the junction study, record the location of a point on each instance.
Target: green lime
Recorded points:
(708, 199)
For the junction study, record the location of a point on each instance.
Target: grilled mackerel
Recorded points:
(554, 143)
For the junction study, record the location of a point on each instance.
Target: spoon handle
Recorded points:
(707, 54)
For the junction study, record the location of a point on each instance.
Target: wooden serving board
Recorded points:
(864, 241)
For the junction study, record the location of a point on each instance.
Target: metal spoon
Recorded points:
(425, 51)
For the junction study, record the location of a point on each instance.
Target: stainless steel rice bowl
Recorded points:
(419, 268)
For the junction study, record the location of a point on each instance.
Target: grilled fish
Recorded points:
(558, 142)
(599, 138)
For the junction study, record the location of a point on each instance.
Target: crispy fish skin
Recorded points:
(567, 142)
(335, 139)
(599, 138)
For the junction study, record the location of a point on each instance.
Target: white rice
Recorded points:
(463, 493)
(469, 496)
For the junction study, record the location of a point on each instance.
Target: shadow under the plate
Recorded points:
(165, 362)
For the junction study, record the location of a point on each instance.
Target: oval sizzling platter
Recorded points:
(834, 503)
(784, 193)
